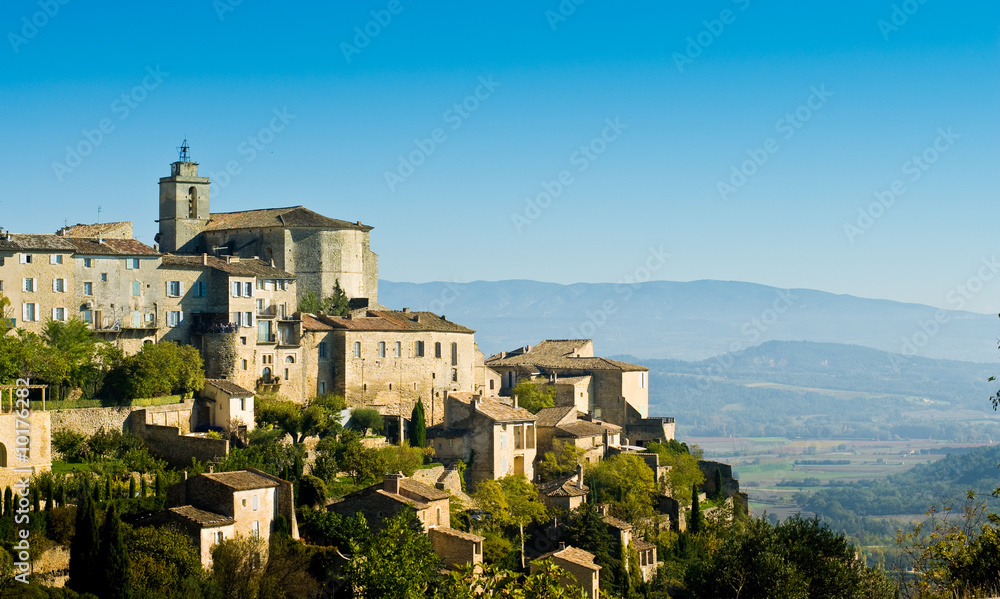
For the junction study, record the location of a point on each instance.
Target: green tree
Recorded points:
(312, 491)
(158, 369)
(397, 562)
(237, 566)
(418, 426)
(587, 530)
(365, 419)
(362, 463)
(625, 482)
(561, 462)
(402, 458)
(694, 526)
(336, 304)
(534, 396)
(719, 493)
(160, 558)
(114, 558)
(84, 565)
(317, 417)
(511, 501)
(683, 470)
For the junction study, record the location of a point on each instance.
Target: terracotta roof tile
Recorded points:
(41, 242)
(641, 545)
(559, 354)
(392, 320)
(574, 555)
(202, 518)
(241, 480)
(451, 532)
(229, 387)
(583, 428)
(117, 229)
(292, 216)
(616, 523)
(245, 267)
(111, 247)
(549, 417)
(495, 410)
(421, 490)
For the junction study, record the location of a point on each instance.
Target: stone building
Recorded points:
(565, 424)
(494, 439)
(240, 313)
(580, 564)
(244, 502)
(23, 451)
(607, 390)
(318, 250)
(388, 359)
(565, 493)
(37, 276)
(227, 406)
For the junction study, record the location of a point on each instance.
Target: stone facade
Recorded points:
(12, 437)
(229, 404)
(578, 563)
(456, 548)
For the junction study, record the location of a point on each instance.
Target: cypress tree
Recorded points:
(418, 425)
(62, 494)
(117, 577)
(49, 493)
(131, 487)
(84, 567)
(718, 483)
(695, 525)
(158, 486)
(97, 491)
(35, 499)
(8, 503)
(142, 485)
(108, 489)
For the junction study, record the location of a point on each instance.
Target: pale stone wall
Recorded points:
(39, 445)
(635, 390)
(13, 273)
(264, 515)
(113, 300)
(207, 539)
(455, 551)
(88, 421)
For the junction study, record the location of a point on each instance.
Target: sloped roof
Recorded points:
(616, 523)
(241, 480)
(421, 490)
(292, 216)
(549, 417)
(111, 247)
(563, 487)
(97, 229)
(202, 518)
(390, 320)
(574, 555)
(311, 322)
(572, 380)
(585, 428)
(561, 354)
(493, 409)
(244, 267)
(451, 532)
(229, 387)
(641, 545)
(23, 241)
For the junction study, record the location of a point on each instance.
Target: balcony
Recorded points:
(267, 311)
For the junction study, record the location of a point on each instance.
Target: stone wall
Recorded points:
(730, 485)
(88, 421)
(39, 452)
(169, 444)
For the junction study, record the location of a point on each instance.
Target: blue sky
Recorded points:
(684, 112)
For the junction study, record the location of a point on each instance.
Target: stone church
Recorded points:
(318, 250)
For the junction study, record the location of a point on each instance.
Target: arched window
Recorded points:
(266, 373)
(193, 202)
(3, 456)
(289, 359)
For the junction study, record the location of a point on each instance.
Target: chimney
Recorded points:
(391, 483)
(562, 546)
(184, 476)
(359, 223)
(602, 509)
(475, 403)
(211, 468)
(204, 259)
(515, 401)
(579, 476)
(406, 310)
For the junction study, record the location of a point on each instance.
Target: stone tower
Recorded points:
(183, 206)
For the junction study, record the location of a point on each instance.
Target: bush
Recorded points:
(71, 445)
(365, 419)
(402, 458)
(312, 491)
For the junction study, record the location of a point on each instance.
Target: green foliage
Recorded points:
(319, 416)
(549, 581)
(418, 426)
(695, 522)
(84, 565)
(158, 369)
(397, 562)
(114, 558)
(683, 473)
(312, 491)
(402, 458)
(560, 463)
(625, 482)
(237, 566)
(331, 529)
(534, 396)
(365, 419)
(336, 304)
(587, 530)
(798, 558)
(511, 501)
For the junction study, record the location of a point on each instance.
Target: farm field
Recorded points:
(773, 470)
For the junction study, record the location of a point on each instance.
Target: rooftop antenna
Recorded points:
(184, 156)
(98, 214)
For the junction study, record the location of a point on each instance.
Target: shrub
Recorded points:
(365, 419)
(71, 445)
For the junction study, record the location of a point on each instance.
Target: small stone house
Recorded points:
(566, 493)
(580, 564)
(226, 404)
(493, 438)
(566, 424)
(647, 558)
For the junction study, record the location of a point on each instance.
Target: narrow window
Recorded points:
(398, 352)
(88, 288)
(454, 354)
(454, 375)
(25, 258)
(29, 285)
(322, 387)
(136, 288)
(357, 349)
(55, 259)
(322, 350)
(419, 349)
(88, 263)
(104, 277)
(381, 349)
(437, 349)
(59, 285)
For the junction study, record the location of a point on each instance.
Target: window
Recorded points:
(381, 349)
(255, 500)
(454, 354)
(243, 404)
(219, 537)
(59, 314)
(55, 259)
(244, 503)
(244, 364)
(131, 263)
(236, 289)
(25, 258)
(88, 316)
(419, 349)
(642, 380)
(248, 289)
(322, 387)
(390, 386)
(267, 359)
(437, 349)
(88, 262)
(357, 349)
(29, 312)
(322, 350)
(289, 359)
(136, 288)
(174, 318)
(248, 319)
(199, 289)
(29, 285)
(286, 374)
(454, 375)
(491, 384)
(173, 288)
(256, 528)
(104, 277)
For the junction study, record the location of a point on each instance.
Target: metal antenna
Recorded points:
(98, 214)
(184, 157)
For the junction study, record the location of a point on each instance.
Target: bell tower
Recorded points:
(183, 206)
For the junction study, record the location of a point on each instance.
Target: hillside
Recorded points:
(691, 321)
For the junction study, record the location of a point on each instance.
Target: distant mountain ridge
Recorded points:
(695, 320)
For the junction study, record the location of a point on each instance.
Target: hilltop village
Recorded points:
(280, 308)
